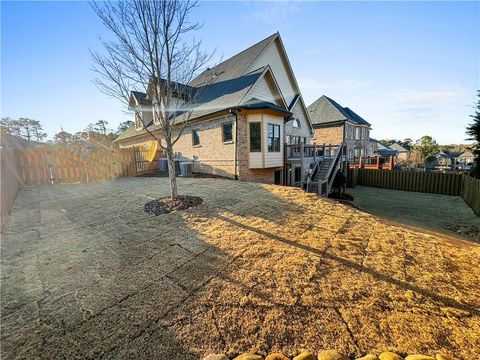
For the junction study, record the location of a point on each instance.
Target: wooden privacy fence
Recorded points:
(471, 193)
(142, 164)
(427, 182)
(56, 165)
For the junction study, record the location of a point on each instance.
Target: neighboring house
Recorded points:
(335, 124)
(373, 146)
(440, 161)
(466, 158)
(402, 153)
(241, 119)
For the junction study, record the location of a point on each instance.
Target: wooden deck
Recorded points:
(373, 163)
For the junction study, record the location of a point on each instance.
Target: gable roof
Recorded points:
(226, 86)
(398, 147)
(218, 97)
(141, 98)
(233, 67)
(326, 110)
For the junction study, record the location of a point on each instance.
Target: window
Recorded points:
(273, 138)
(255, 137)
(295, 140)
(357, 133)
(227, 132)
(298, 174)
(138, 121)
(296, 123)
(196, 137)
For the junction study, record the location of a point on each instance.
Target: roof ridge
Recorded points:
(245, 50)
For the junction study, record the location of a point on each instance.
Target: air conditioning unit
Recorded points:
(186, 168)
(163, 165)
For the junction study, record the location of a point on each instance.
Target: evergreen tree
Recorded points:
(473, 130)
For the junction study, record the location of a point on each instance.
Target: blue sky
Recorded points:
(409, 68)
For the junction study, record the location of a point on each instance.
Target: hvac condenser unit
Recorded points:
(186, 168)
(163, 165)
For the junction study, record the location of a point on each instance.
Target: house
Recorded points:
(373, 146)
(250, 107)
(440, 161)
(402, 153)
(335, 124)
(466, 158)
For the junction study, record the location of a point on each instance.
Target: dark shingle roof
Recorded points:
(141, 98)
(235, 66)
(260, 104)
(326, 110)
(386, 152)
(353, 116)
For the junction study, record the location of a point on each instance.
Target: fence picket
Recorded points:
(436, 183)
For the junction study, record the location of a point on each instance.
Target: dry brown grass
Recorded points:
(255, 268)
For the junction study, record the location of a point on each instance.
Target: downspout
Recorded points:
(236, 141)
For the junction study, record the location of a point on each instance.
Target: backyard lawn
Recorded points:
(440, 213)
(87, 274)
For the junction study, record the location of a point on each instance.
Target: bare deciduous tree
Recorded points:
(152, 49)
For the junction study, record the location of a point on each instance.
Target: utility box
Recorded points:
(186, 168)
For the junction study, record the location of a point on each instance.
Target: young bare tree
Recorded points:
(152, 49)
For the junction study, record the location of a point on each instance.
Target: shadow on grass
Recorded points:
(359, 267)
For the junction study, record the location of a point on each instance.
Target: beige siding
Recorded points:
(304, 129)
(272, 56)
(272, 159)
(147, 117)
(262, 91)
(266, 159)
(255, 158)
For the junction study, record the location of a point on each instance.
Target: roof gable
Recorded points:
(235, 66)
(398, 147)
(325, 110)
(266, 88)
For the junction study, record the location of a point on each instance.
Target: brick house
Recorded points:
(242, 119)
(335, 124)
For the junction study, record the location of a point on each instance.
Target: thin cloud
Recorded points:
(311, 84)
(427, 97)
(273, 13)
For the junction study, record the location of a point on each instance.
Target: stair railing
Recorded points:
(334, 166)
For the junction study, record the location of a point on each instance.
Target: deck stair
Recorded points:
(323, 173)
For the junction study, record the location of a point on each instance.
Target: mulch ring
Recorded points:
(166, 205)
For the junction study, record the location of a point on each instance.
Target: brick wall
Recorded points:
(212, 155)
(328, 135)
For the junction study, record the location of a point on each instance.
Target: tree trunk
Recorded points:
(172, 177)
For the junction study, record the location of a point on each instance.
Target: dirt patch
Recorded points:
(469, 231)
(166, 205)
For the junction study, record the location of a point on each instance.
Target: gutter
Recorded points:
(234, 112)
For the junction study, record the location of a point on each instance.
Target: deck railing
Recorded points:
(300, 151)
(372, 162)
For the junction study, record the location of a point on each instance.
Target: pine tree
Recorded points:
(473, 130)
